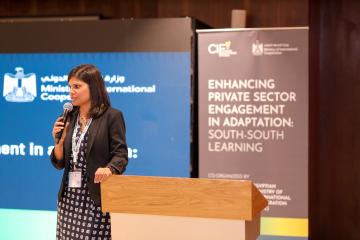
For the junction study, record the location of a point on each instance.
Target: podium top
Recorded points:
(188, 197)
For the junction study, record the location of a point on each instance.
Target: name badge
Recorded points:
(75, 179)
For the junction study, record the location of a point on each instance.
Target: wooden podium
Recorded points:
(159, 208)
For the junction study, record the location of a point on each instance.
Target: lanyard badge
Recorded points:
(75, 174)
(75, 178)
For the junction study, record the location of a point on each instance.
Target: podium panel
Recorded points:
(148, 227)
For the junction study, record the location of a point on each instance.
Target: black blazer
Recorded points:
(106, 147)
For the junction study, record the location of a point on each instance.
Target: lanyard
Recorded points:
(76, 145)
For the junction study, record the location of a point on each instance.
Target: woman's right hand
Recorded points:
(58, 126)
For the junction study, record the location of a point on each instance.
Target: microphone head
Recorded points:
(68, 106)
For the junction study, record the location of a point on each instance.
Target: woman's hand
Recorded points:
(102, 174)
(58, 148)
(58, 126)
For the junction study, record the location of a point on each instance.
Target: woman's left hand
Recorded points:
(102, 174)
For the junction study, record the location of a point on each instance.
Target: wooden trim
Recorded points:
(189, 197)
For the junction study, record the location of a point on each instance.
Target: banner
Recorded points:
(253, 119)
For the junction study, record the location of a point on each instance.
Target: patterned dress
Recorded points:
(78, 217)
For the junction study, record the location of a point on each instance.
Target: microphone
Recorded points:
(68, 107)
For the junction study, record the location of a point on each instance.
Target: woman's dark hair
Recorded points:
(91, 75)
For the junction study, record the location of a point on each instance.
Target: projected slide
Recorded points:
(152, 89)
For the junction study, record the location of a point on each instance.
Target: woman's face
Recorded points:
(79, 92)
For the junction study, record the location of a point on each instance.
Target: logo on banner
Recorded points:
(221, 49)
(19, 87)
(257, 48)
(260, 49)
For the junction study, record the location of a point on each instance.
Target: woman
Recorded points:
(91, 148)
